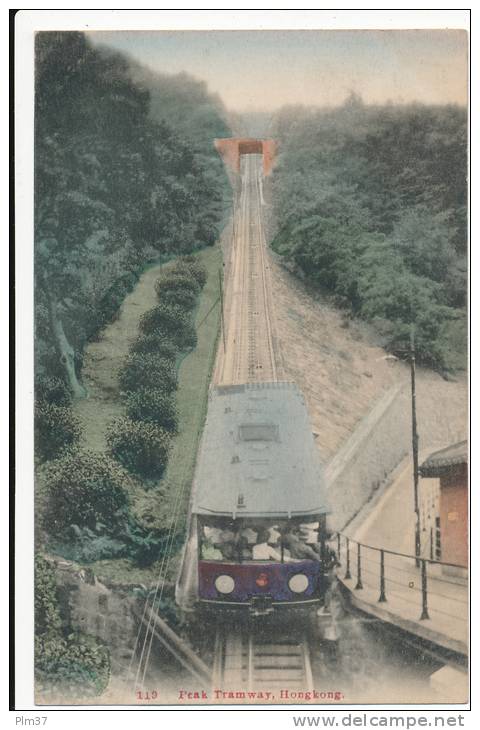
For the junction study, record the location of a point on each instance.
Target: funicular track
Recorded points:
(249, 353)
(244, 657)
(253, 660)
(249, 658)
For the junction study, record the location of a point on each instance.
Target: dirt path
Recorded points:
(103, 359)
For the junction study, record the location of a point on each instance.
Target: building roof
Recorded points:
(440, 461)
(258, 456)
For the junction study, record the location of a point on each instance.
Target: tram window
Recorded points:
(247, 540)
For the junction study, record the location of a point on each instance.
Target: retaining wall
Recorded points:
(384, 437)
(96, 610)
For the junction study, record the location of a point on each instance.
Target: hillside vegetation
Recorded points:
(119, 182)
(370, 203)
(125, 176)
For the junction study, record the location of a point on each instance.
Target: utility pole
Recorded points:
(221, 308)
(415, 447)
(233, 220)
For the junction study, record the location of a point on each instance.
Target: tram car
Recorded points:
(257, 518)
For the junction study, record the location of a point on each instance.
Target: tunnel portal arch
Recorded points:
(232, 148)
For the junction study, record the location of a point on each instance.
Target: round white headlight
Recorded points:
(224, 584)
(298, 583)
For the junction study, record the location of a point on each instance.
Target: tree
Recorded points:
(114, 188)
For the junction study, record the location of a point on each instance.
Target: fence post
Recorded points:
(348, 575)
(382, 597)
(359, 585)
(339, 545)
(424, 592)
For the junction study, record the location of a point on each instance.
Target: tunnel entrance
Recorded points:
(232, 148)
(251, 147)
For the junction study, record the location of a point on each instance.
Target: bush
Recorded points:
(55, 429)
(173, 321)
(194, 267)
(154, 406)
(66, 663)
(52, 389)
(155, 343)
(177, 289)
(173, 279)
(164, 317)
(147, 371)
(140, 446)
(83, 545)
(84, 489)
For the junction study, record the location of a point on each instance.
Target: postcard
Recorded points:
(250, 310)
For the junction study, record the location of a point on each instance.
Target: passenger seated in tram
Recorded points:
(210, 551)
(298, 549)
(243, 548)
(249, 534)
(263, 550)
(239, 542)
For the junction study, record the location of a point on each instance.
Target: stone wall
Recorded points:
(106, 614)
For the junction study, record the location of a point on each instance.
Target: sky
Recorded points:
(264, 70)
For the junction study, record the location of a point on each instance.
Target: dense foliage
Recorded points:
(84, 489)
(370, 204)
(116, 186)
(181, 290)
(88, 506)
(173, 321)
(148, 376)
(155, 343)
(66, 663)
(147, 370)
(153, 405)
(56, 428)
(141, 446)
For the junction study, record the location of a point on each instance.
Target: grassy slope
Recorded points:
(169, 497)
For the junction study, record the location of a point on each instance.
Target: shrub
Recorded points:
(154, 406)
(109, 305)
(195, 268)
(84, 489)
(146, 545)
(177, 289)
(55, 428)
(165, 317)
(173, 279)
(183, 297)
(155, 343)
(83, 545)
(140, 446)
(66, 663)
(147, 371)
(52, 389)
(173, 321)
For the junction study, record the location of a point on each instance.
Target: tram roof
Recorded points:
(257, 455)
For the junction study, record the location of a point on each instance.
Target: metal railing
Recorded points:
(415, 580)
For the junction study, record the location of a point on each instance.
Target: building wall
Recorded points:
(429, 503)
(454, 516)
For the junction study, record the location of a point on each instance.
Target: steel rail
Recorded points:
(246, 660)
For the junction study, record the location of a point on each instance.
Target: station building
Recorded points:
(444, 505)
